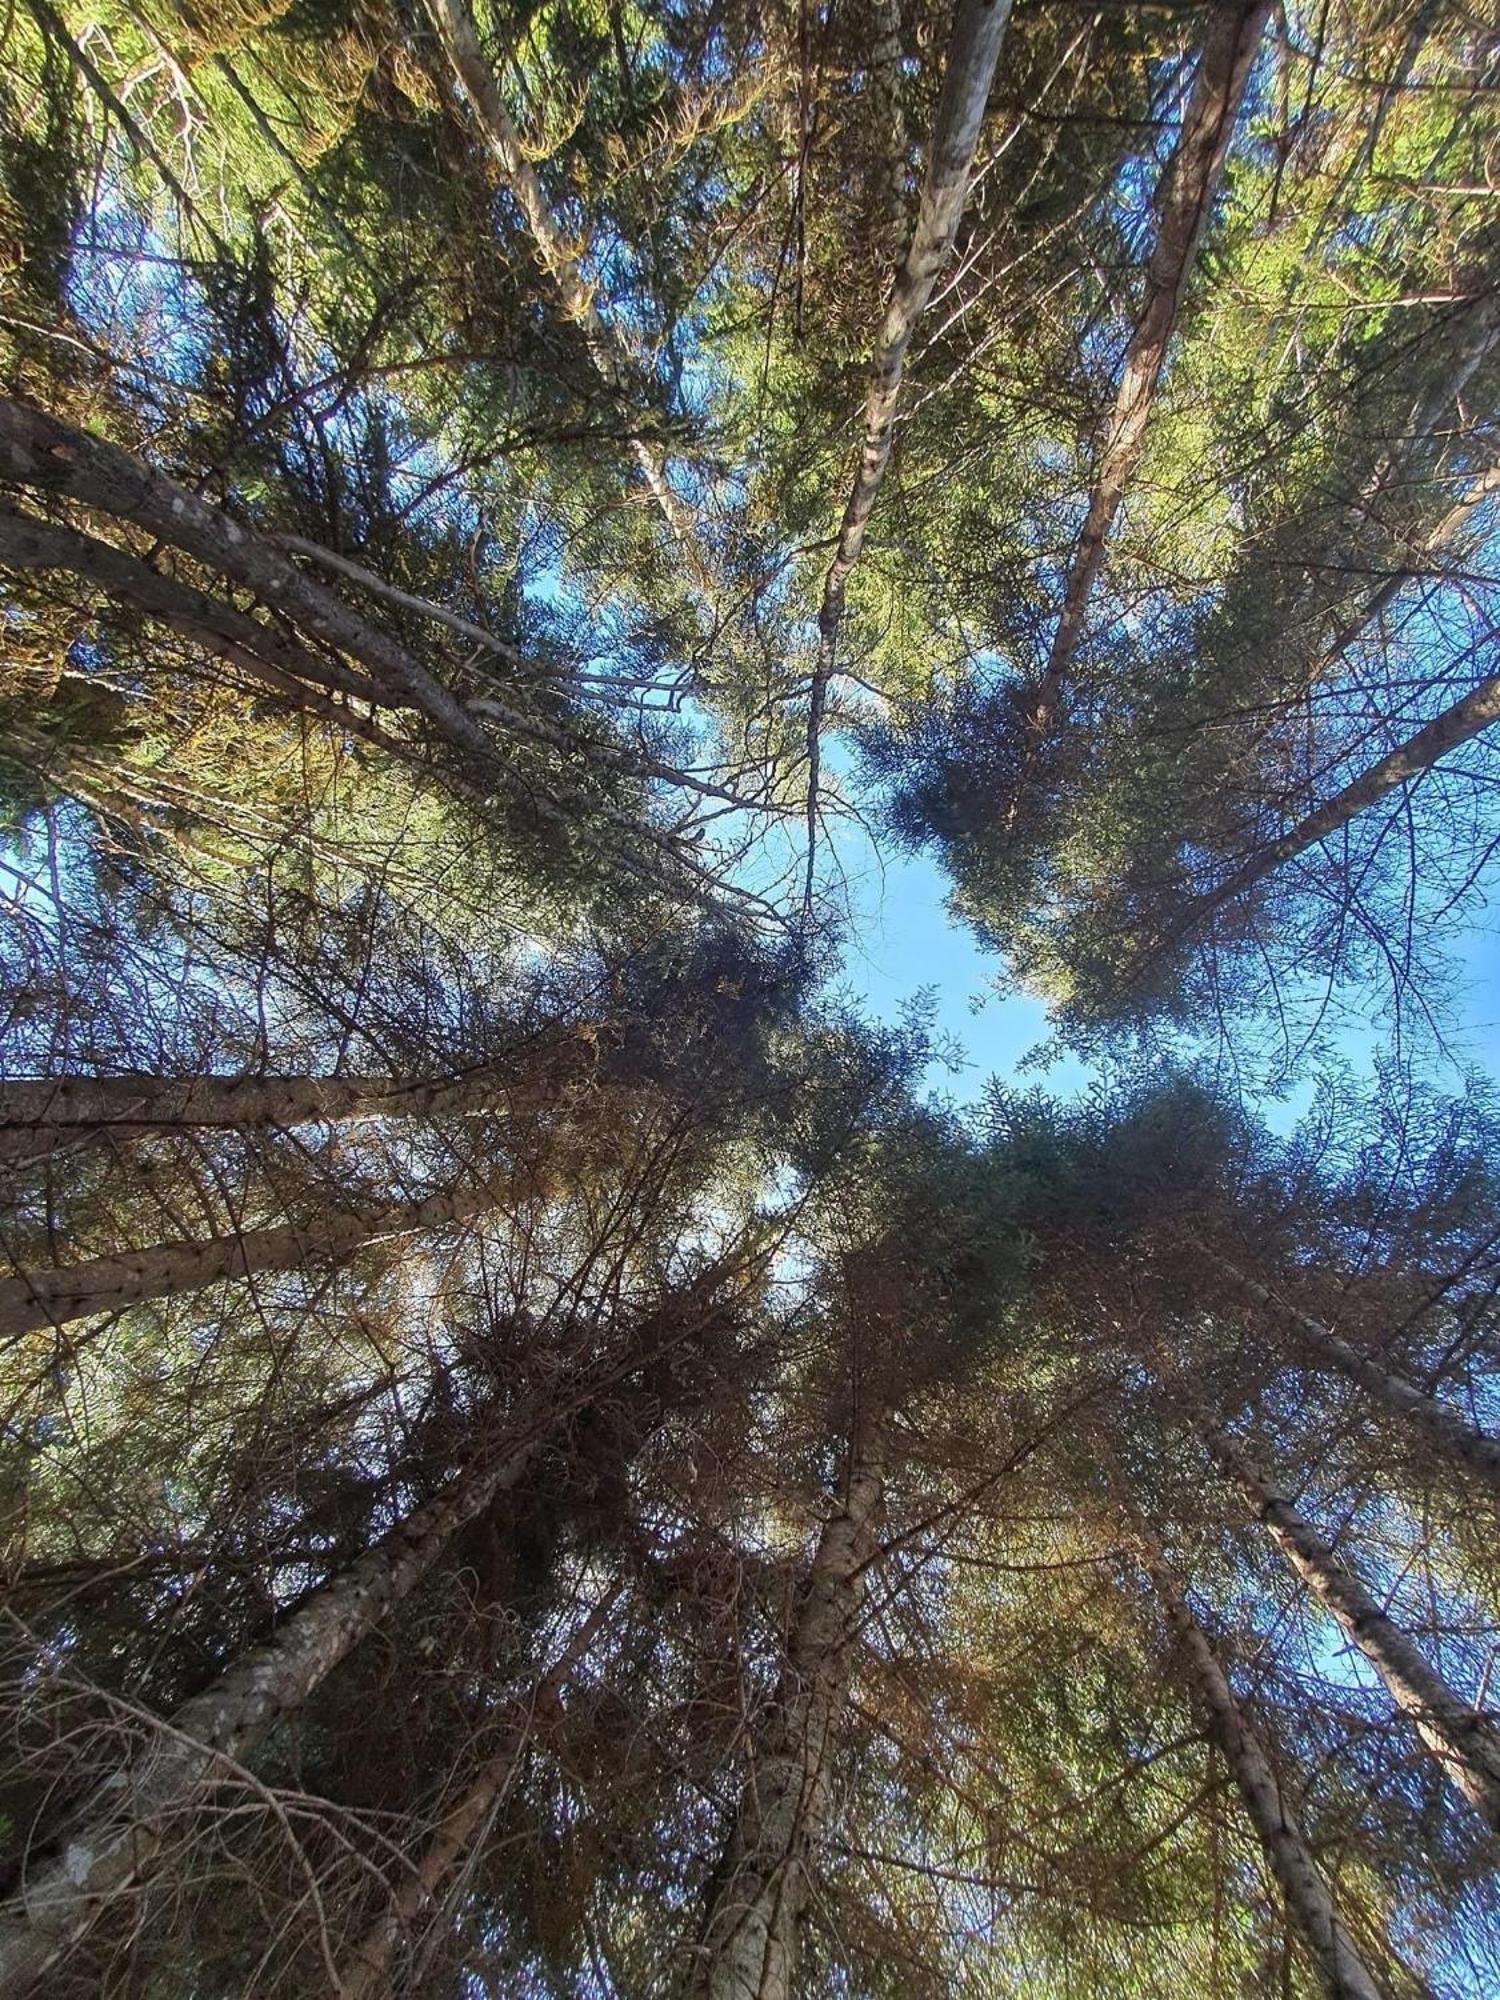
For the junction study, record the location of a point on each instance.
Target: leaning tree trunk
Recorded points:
(106, 1284)
(760, 1891)
(462, 1826)
(973, 51)
(1463, 1743)
(1308, 1900)
(554, 252)
(1477, 490)
(1445, 1427)
(1447, 732)
(39, 1115)
(29, 543)
(1184, 201)
(122, 1828)
(50, 454)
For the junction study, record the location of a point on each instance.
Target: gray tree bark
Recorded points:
(50, 454)
(121, 1830)
(1183, 203)
(1309, 1904)
(40, 1114)
(969, 70)
(1447, 1429)
(554, 253)
(105, 1284)
(750, 1934)
(1464, 1745)
(462, 1826)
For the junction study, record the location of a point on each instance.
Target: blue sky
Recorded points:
(902, 942)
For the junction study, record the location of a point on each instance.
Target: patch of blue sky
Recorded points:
(127, 286)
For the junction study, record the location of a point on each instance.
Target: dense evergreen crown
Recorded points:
(540, 1453)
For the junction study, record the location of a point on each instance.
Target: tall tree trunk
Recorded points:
(1466, 719)
(554, 253)
(1464, 1744)
(1309, 1903)
(1474, 330)
(750, 1934)
(1452, 524)
(463, 1824)
(973, 51)
(105, 1284)
(885, 90)
(52, 455)
(263, 650)
(1183, 203)
(1447, 1429)
(40, 1114)
(121, 1830)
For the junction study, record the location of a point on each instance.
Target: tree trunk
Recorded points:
(973, 51)
(1309, 1903)
(462, 1826)
(460, 39)
(1447, 732)
(1453, 1435)
(29, 543)
(750, 1934)
(1184, 200)
(40, 1114)
(1452, 524)
(1451, 1729)
(54, 456)
(105, 1284)
(117, 1842)
(885, 91)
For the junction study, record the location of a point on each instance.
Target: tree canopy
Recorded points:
(541, 1452)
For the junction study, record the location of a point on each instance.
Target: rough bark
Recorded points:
(1463, 1743)
(1183, 204)
(556, 256)
(750, 1934)
(1309, 1903)
(41, 1114)
(106, 1284)
(28, 543)
(1446, 530)
(973, 51)
(885, 89)
(50, 454)
(463, 1825)
(1447, 1429)
(121, 1830)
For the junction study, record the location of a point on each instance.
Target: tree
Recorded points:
(542, 1452)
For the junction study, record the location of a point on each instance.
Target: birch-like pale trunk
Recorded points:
(969, 70)
(1184, 202)
(122, 1828)
(50, 1298)
(749, 1942)
(1452, 1434)
(50, 454)
(1463, 1743)
(554, 252)
(462, 1826)
(1309, 1904)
